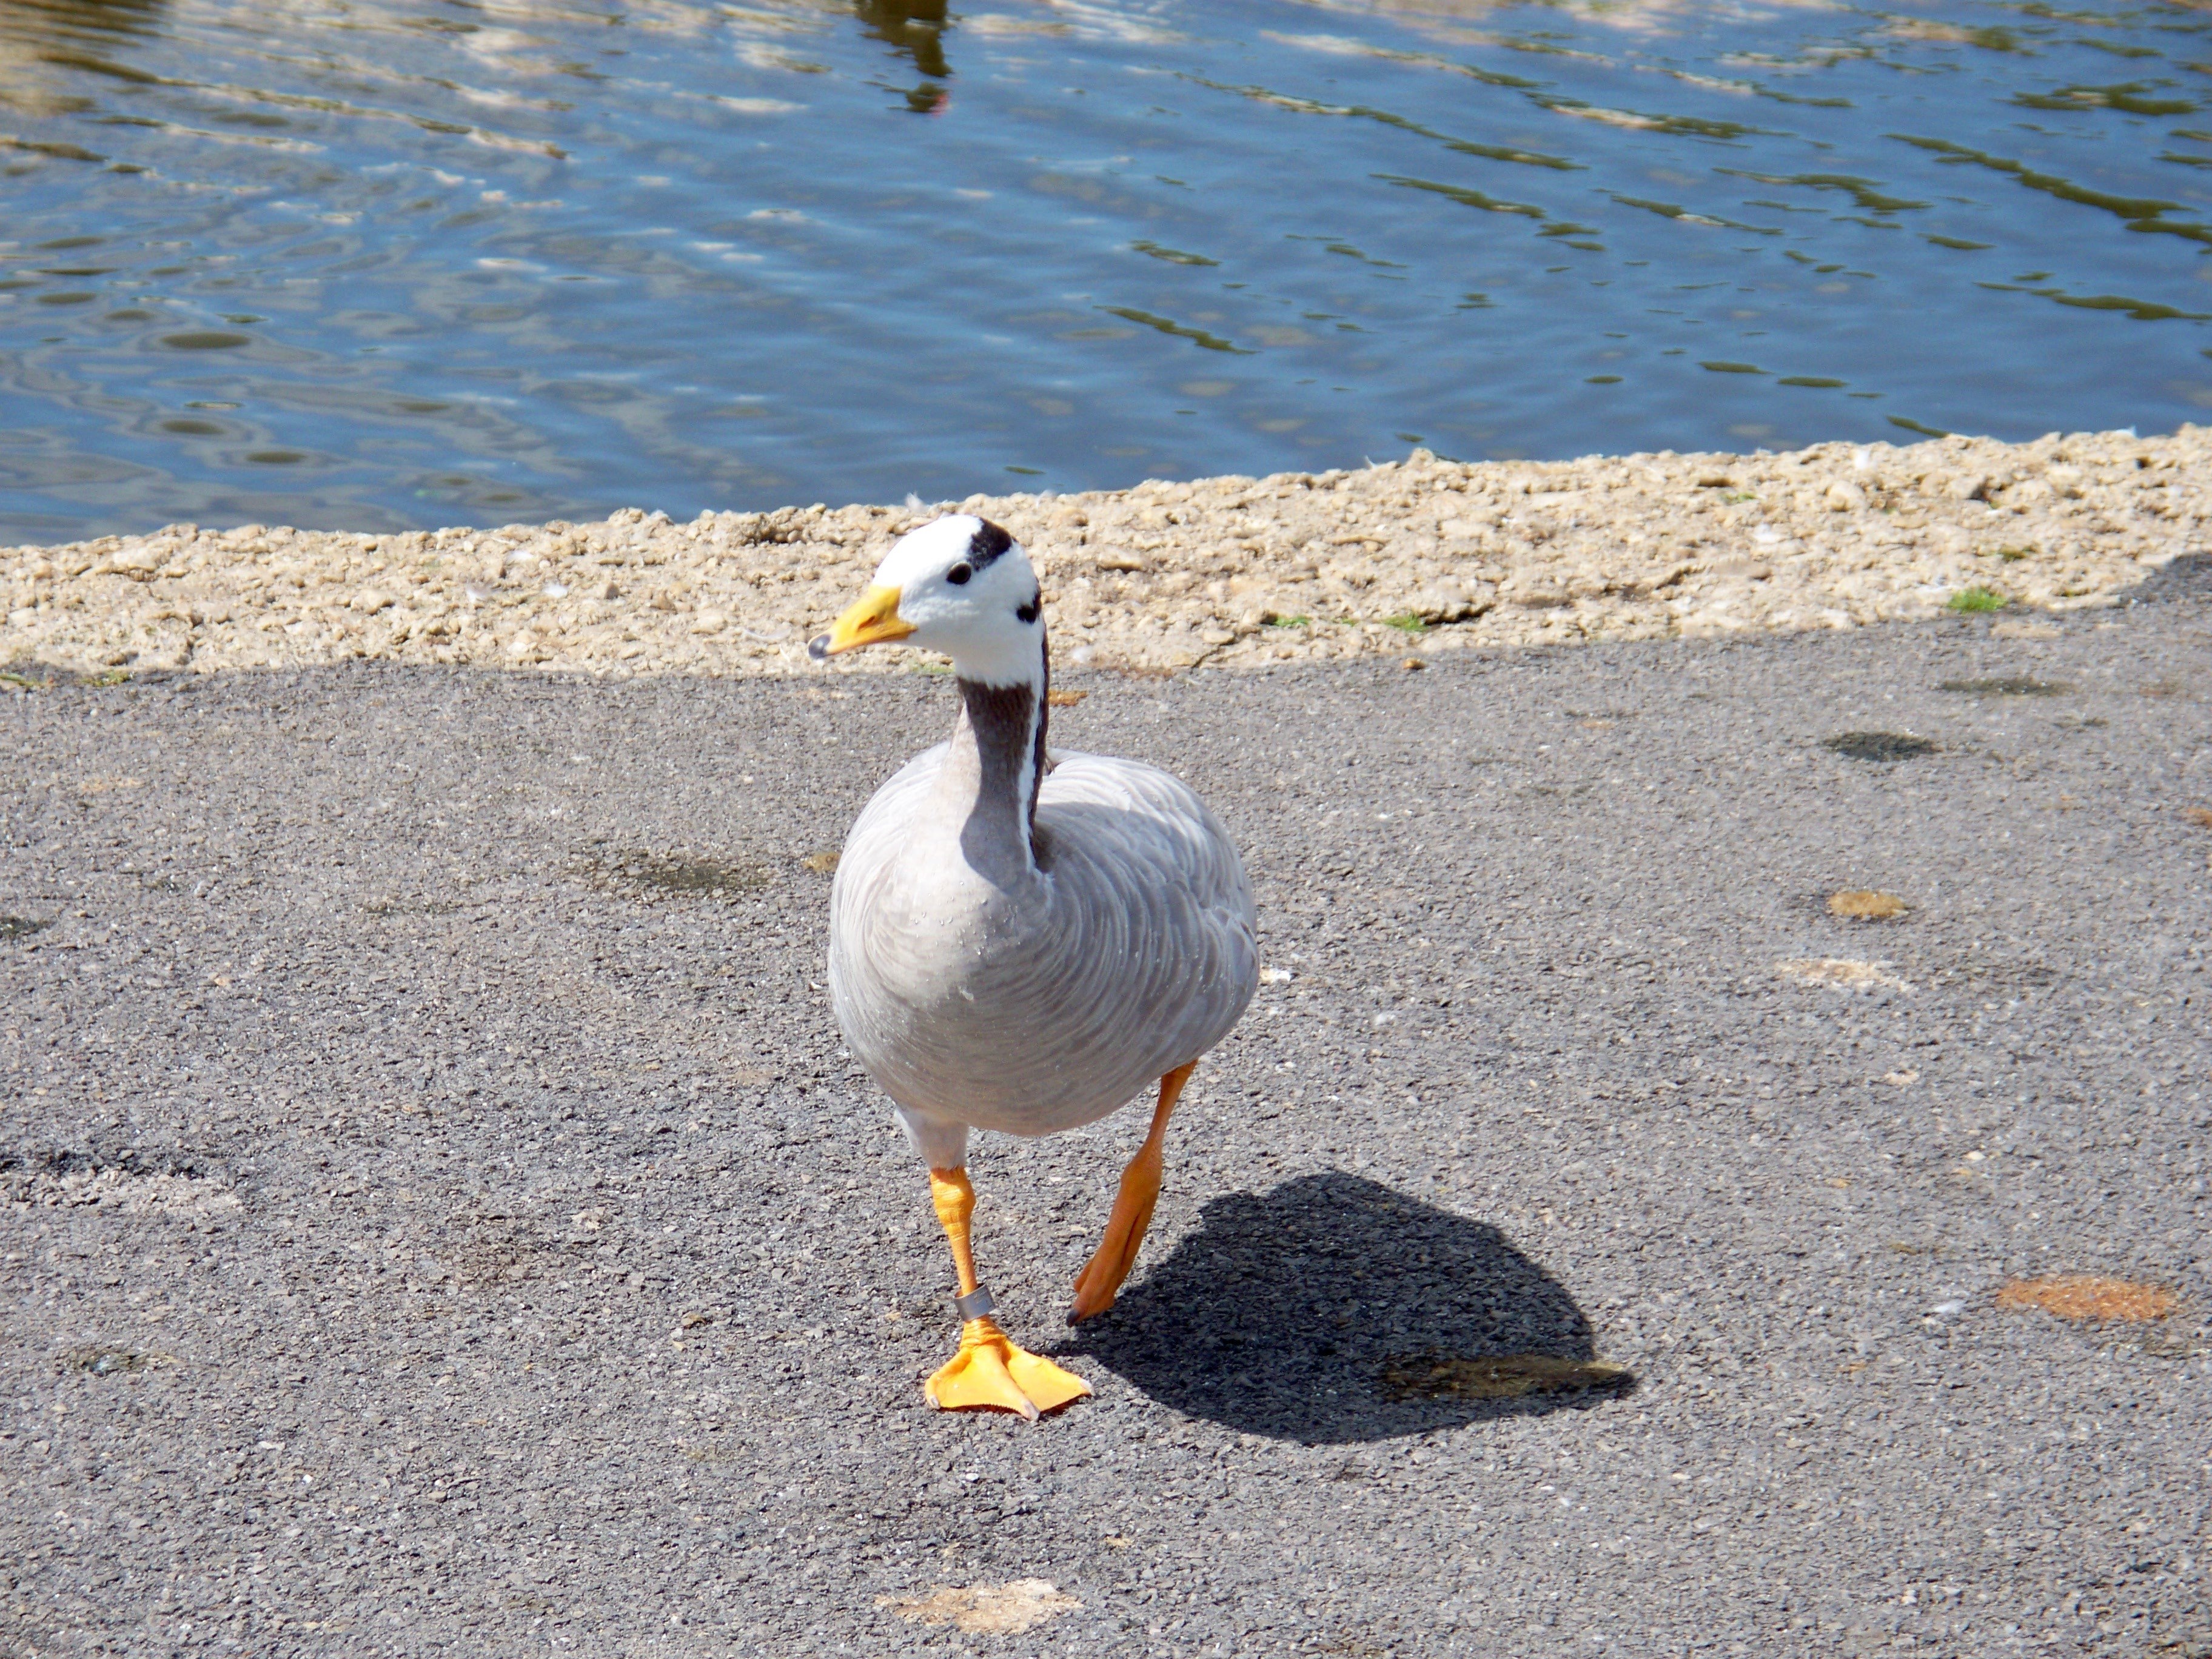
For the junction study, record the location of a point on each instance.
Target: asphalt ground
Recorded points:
(439, 1218)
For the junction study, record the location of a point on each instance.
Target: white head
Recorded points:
(959, 585)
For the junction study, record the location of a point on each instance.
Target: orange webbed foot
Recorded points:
(990, 1372)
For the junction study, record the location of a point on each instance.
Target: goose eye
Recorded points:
(958, 574)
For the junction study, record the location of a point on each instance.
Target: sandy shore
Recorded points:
(1407, 557)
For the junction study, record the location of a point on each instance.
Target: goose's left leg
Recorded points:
(1100, 1281)
(989, 1370)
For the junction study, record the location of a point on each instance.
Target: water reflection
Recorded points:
(915, 30)
(76, 19)
(385, 265)
(42, 42)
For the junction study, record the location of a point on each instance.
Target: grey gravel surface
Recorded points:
(438, 1217)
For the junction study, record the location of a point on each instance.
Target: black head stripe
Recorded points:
(1027, 613)
(987, 543)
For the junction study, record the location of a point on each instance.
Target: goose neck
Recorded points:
(994, 767)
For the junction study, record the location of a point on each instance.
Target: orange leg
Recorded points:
(1099, 1281)
(989, 1370)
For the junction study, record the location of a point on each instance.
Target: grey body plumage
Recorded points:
(1034, 994)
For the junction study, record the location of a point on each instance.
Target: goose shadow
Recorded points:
(1332, 1309)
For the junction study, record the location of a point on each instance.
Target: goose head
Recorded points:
(961, 586)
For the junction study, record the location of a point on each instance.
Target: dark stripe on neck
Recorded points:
(1043, 715)
(1000, 717)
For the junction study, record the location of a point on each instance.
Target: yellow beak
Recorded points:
(872, 619)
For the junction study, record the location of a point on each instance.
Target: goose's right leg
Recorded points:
(989, 1370)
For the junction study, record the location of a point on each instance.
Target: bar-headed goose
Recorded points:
(1018, 943)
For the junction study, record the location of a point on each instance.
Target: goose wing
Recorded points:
(1158, 953)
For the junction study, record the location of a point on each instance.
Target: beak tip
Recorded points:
(818, 647)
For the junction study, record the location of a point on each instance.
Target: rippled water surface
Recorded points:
(385, 265)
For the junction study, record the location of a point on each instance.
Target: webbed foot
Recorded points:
(990, 1371)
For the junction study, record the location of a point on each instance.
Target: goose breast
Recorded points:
(1047, 1002)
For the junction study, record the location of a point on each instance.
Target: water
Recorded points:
(385, 265)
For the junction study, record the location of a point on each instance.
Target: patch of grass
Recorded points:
(1290, 622)
(21, 927)
(1741, 495)
(1972, 599)
(1406, 623)
(2015, 554)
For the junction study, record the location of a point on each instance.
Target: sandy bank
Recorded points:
(1413, 557)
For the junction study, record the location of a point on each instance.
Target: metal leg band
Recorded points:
(975, 1303)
